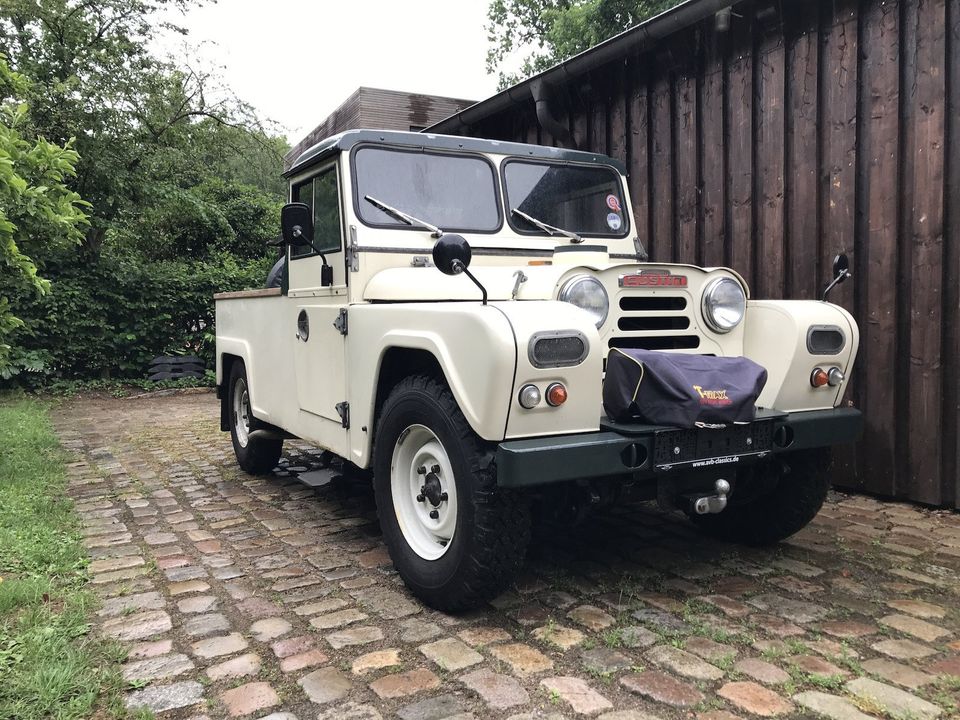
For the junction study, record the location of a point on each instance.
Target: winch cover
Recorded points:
(682, 390)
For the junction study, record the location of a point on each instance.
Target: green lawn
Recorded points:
(49, 666)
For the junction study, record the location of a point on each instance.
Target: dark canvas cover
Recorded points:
(677, 389)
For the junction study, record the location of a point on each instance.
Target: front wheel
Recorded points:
(455, 537)
(257, 456)
(782, 497)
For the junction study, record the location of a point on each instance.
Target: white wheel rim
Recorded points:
(241, 412)
(418, 448)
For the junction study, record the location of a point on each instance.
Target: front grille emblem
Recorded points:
(653, 279)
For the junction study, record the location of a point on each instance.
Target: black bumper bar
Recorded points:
(646, 451)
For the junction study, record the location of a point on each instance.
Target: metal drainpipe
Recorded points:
(541, 96)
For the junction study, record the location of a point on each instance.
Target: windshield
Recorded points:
(581, 199)
(454, 192)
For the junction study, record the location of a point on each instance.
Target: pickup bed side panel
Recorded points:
(253, 329)
(474, 344)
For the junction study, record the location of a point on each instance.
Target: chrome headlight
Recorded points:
(724, 304)
(587, 293)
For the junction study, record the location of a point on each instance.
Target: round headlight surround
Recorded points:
(733, 308)
(573, 292)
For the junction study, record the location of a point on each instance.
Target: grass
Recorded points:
(49, 665)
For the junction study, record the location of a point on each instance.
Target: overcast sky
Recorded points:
(297, 60)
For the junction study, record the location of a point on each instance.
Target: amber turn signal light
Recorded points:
(819, 377)
(556, 394)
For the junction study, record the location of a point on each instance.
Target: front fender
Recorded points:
(474, 345)
(775, 336)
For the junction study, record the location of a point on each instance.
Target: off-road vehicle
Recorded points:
(444, 316)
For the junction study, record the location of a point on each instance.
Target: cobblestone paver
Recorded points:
(253, 598)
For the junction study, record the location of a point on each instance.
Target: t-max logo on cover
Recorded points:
(712, 397)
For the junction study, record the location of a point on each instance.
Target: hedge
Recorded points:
(108, 317)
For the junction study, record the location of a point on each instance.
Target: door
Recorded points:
(320, 359)
(319, 351)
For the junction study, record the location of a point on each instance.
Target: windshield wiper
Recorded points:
(404, 217)
(549, 229)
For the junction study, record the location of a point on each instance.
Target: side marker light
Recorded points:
(556, 394)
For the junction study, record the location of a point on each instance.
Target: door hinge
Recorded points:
(341, 322)
(353, 255)
(343, 410)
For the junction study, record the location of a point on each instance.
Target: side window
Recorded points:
(321, 194)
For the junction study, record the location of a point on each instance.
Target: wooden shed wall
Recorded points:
(809, 128)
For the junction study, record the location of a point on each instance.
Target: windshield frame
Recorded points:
(508, 207)
(422, 150)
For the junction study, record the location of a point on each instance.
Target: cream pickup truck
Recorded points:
(443, 318)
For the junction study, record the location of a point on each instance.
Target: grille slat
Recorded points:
(653, 322)
(639, 303)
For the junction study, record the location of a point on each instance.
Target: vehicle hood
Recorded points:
(429, 284)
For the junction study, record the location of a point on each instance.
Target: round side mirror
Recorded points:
(296, 222)
(841, 267)
(452, 254)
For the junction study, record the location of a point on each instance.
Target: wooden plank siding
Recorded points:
(808, 128)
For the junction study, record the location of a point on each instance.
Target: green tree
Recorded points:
(550, 31)
(37, 210)
(182, 179)
(133, 115)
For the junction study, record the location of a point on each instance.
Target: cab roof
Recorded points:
(426, 141)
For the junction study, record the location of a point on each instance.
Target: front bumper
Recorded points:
(646, 451)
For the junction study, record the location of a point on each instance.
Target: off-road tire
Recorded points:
(260, 455)
(493, 525)
(798, 484)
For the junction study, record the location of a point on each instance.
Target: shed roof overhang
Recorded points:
(639, 37)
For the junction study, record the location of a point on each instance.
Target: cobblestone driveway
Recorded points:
(242, 596)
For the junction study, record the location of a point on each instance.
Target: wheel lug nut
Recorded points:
(443, 497)
(419, 498)
(434, 514)
(435, 469)
(421, 470)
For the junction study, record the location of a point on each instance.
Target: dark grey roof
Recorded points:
(346, 140)
(639, 37)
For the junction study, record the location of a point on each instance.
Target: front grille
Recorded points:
(654, 322)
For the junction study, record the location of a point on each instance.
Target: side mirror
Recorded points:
(841, 271)
(296, 222)
(841, 267)
(452, 254)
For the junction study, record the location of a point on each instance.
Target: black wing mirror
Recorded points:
(452, 255)
(296, 222)
(296, 225)
(841, 271)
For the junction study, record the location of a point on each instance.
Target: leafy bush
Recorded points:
(35, 203)
(110, 316)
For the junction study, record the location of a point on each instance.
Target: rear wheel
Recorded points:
(255, 455)
(455, 537)
(782, 497)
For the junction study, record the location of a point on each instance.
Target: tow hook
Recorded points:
(707, 504)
